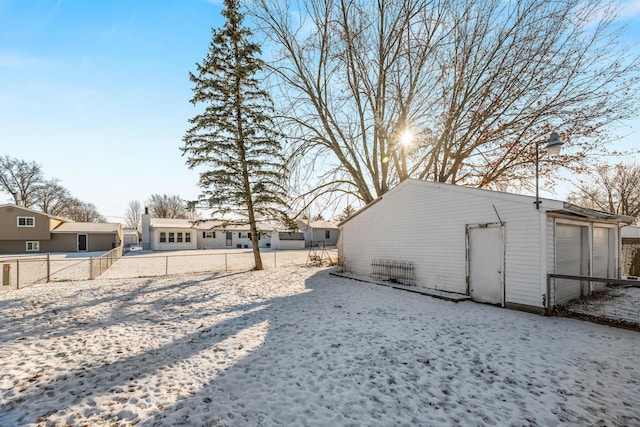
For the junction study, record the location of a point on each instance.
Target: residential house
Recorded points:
(319, 232)
(24, 230)
(493, 246)
(161, 234)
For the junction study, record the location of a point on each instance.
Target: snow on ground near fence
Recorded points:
(297, 346)
(32, 268)
(150, 263)
(617, 303)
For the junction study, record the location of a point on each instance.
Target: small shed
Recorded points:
(287, 240)
(495, 247)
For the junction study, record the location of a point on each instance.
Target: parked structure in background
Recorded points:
(495, 247)
(24, 230)
(319, 232)
(630, 251)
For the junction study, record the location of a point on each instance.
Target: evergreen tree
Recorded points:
(346, 213)
(234, 138)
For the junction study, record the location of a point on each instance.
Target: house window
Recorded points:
(26, 221)
(327, 234)
(187, 237)
(239, 235)
(172, 237)
(33, 246)
(248, 235)
(179, 238)
(163, 237)
(209, 235)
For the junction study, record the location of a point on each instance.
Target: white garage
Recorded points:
(495, 247)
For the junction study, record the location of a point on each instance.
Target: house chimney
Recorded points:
(145, 225)
(20, 202)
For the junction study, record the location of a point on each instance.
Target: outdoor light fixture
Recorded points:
(553, 149)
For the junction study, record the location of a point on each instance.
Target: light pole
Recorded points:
(553, 149)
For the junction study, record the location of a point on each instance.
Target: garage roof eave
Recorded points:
(571, 209)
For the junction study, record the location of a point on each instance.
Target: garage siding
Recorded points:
(431, 234)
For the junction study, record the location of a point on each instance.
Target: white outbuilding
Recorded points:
(495, 247)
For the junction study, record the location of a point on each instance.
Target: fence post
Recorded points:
(90, 268)
(17, 273)
(275, 259)
(166, 266)
(48, 267)
(226, 266)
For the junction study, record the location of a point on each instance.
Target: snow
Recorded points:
(616, 304)
(298, 346)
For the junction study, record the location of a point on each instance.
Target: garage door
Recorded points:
(571, 259)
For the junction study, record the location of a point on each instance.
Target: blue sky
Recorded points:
(97, 92)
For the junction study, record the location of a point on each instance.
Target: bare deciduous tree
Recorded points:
(165, 206)
(26, 183)
(614, 189)
(52, 198)
(133, 215)
(477, 82)
(83, 212)
(20, 179)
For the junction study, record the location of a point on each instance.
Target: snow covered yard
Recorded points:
(617, 305)
(297, 346)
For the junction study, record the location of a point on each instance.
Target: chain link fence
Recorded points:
(143, 264)
(27, 271)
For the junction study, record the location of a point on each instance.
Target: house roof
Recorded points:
(11, 205)
(317, 224)
(208, 224)
(87, 227)
(548, 205)
(575, 210)
(171, 223)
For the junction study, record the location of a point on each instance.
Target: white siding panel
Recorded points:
(426, 225)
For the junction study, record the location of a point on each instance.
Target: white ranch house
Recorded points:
(163, 234)
(495, 247)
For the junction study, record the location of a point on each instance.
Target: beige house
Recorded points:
(24, 230)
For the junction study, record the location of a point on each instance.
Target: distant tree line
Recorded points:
(610, 188)
(25, 182)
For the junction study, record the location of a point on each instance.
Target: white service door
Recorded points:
(570, 260)
(486, 264)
